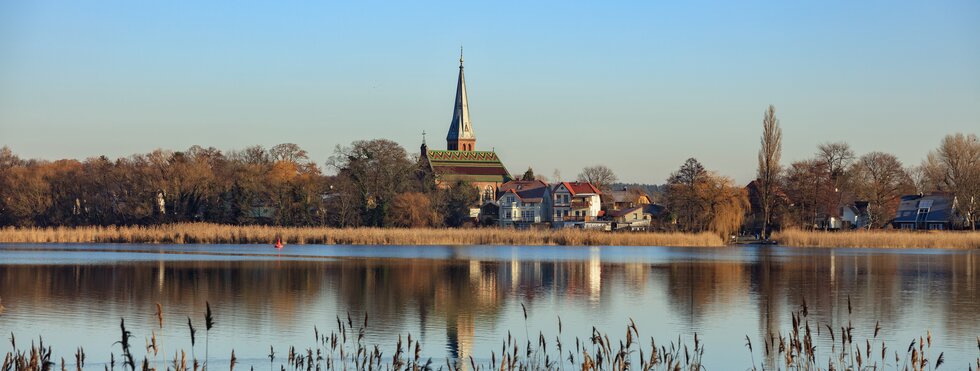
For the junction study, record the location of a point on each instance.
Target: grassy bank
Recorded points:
(880, 239)
(216, 233)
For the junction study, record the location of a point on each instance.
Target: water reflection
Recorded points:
(463, 305)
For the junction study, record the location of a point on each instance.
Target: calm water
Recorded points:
(462, 301)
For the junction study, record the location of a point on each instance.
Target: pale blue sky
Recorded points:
(555, 85)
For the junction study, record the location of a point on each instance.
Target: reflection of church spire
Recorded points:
(459, 333)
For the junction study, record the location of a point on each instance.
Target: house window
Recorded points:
(508, 215)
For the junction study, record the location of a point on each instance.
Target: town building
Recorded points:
(461, 162)
(524, 203)
(630, 218)
(576, 202)
(625, 199)
(935, 211)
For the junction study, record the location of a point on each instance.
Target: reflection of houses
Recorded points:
(524, 202)
(934, 211)
(576, 202)
(461, 162)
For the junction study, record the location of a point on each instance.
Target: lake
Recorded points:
(463, 301)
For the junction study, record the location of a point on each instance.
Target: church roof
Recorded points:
(461, 127)
(468, 166)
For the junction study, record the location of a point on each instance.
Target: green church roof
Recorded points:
(468, 166)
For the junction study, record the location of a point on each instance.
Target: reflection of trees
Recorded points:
(468, 296)
(249, 286)
(692, 287)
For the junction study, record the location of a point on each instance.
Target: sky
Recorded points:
(636, 86)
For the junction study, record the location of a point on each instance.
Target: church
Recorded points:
(461, 161)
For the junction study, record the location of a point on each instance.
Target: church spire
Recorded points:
(461, 137)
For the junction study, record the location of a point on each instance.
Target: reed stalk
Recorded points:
(795, 349)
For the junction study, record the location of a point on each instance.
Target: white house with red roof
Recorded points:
(523, 203)
(576, 202)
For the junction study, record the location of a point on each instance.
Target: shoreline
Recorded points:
(206, 233)
(880, 239)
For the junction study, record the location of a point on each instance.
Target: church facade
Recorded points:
(461, 161)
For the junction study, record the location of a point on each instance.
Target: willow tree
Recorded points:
(768, 173)
(726, 204)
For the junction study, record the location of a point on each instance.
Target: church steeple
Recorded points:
(461, 137)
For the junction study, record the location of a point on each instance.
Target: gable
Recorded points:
(560, 188)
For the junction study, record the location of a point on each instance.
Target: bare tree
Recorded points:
(289, 152)
(837, 155)
(805, 186)
(881, 180)
(682, 196)
(955, 167)
(556, 175)
(768, 173)
(600, 176)
(377, 170)
(838, 158)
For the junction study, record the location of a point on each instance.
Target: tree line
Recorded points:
(376, 184)
(806, 193)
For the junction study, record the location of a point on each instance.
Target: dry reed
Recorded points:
(880, 239)
(232, 234)
(796, 349)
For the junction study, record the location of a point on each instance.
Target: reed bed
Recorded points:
(880, 239)
(232, 234)
(344, 347)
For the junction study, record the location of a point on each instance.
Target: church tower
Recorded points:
(461, 137)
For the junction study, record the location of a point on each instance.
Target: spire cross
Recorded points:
(460, 56)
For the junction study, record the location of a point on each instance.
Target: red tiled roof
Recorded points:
(581, 187)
